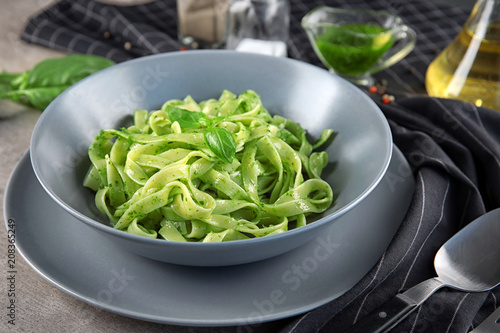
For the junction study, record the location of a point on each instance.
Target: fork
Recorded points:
(490, 324)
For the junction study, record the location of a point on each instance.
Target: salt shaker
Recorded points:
(202, 23)
(258, 26)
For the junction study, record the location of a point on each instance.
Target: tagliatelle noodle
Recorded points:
(222, 169)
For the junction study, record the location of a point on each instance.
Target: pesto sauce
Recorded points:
(352, 49)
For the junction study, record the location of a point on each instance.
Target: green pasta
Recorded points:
(218, 170)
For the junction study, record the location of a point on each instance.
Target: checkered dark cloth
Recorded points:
(453, 148)
(124, 32)
(118, 33)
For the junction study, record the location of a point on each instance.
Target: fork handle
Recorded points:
(490, 324)
(386, 316)
(392, 312)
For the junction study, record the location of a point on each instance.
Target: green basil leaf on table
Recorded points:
(39, 98)
(221, 143)
(47, 79)
(7, 84)
(66, 70)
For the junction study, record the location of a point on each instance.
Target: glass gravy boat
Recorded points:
(355, 43)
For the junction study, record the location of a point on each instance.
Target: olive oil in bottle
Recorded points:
(469, 68)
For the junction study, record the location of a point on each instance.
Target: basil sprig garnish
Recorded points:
(219, 140)
(186, 118)
(221, 143)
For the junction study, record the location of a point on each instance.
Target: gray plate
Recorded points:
(83, 263)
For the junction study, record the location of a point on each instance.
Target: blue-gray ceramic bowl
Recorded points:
(361, 151)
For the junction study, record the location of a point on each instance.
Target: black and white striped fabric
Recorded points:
(453, 148)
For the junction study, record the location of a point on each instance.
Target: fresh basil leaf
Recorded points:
(221, 143)
(39, 86)
(186, 118)
(39, 98)
(20, 80)
(64, 70)
(6, 83)
(8, 78)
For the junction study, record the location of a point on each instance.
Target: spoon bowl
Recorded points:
(468, 262)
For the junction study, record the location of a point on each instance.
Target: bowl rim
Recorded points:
(209, 245)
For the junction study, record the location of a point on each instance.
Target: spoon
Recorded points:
(467, 262)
